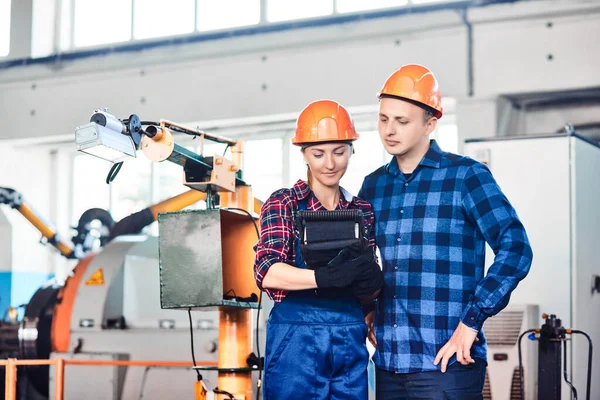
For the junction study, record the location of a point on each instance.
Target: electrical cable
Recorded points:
(126, 121)
(192, 344)
(565, 376)
(114, 170)
(219, 391)
(590, 353)
(249, 215)
(521, 378)
(260, 367)
(259, 383)
(252, 299)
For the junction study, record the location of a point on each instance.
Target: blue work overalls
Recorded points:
(316, 346)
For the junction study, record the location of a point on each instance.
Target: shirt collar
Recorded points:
(431, 159)
(302, 191)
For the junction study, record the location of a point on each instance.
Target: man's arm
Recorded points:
(487, 207)
(499, 224)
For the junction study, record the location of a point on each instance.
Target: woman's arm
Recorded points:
(285, 277)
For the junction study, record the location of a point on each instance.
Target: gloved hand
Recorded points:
(315, 259)
(368, 284)
(344, 268)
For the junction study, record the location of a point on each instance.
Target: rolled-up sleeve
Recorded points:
(276, 238)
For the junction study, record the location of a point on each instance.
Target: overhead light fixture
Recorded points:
(106, 137)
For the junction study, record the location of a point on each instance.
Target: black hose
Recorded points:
(521, 379)
(223, 392)
(590, 352)
(114, 170)
(192, 344)
(132, 224)
(573, 389)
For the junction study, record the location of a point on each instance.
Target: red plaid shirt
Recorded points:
(278, 234)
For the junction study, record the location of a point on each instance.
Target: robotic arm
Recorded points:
(14, 199)
(87, 232)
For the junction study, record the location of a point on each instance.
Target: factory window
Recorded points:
(213, 15)
(284, 10)
(155, 18)
(447, 136)
(262, 166)
(114, 21)
(369, 154)
(90, 191)
(4, 27)
(344, 6)
(131, 189)
(168, 177)
(296, 165)
(103, 22)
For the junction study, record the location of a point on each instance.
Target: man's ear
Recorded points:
(431, 125)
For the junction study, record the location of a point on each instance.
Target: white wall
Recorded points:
(27, 171)
(281, 72)
(5, 240)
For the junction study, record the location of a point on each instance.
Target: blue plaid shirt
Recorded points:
(431, 231)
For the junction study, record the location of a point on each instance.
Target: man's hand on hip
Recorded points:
(460, 343)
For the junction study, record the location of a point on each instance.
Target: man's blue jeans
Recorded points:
(457, 383)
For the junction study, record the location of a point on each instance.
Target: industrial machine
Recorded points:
(87, 234)
(503, 379)
(107, 309)
(552, 340)
(555, 196)
(205, 256)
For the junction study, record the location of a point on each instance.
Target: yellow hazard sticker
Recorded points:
(97, 278)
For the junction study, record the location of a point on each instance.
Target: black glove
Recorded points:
(368, 284)
(315, 259)
(343, 269)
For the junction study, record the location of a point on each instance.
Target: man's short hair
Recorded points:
(428, 113)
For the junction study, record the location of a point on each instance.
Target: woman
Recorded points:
(315, 340)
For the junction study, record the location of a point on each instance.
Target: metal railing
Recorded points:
(11, 364)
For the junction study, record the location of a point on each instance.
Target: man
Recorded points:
(434, 212)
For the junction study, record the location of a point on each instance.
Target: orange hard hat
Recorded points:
(417, 84)
(324, 121)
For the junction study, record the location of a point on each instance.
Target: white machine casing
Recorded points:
(502, 332)
(552, 182)
(131, 289)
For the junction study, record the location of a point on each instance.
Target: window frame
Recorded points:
(263, 21)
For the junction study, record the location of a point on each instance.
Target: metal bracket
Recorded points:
(595, 283)
(10, 197)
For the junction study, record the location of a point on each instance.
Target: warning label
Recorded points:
(97, 278)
